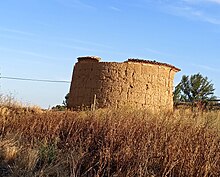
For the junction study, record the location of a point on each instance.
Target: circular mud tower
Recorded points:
(137, 83)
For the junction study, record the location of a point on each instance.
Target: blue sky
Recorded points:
(41, 39)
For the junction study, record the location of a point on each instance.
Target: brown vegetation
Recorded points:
(121, 142)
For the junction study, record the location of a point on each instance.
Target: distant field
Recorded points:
(122, 142)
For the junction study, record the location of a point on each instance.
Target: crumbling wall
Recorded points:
(138, 83)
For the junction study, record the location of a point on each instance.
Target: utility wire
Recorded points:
(34, 80)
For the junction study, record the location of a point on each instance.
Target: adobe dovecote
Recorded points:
(138, 83)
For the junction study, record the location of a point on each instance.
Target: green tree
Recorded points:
(194, 88)
(65, 102)
(63, 106)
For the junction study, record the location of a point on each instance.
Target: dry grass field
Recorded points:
(119, 143)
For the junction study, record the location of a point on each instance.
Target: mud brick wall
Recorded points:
(137, 83)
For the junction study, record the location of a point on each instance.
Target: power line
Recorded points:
(34, 80)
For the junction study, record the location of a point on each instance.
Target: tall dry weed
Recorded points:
(122, 142)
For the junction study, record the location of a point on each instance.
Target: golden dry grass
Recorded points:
(121, 142)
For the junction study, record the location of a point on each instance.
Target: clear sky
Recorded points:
(41, 39)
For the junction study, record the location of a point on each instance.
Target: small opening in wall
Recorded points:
(147, 86)
(126, 72)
